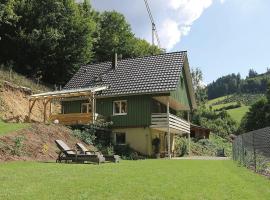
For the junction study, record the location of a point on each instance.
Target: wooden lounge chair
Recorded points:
(111, 158)
(68, 154)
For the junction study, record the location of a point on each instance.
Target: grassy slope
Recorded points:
(9, 127)
(149, 179)
(238, 113)
(20, 80)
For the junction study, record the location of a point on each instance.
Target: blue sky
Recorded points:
(221, 36)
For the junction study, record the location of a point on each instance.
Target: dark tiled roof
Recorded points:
(150, 74)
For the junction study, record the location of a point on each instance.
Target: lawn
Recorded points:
(238, 113)
(148, 179)
(9, 127)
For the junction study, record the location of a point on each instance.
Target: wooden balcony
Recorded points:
(73, 118)
(162, 121)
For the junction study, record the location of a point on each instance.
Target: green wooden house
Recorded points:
(141, 96)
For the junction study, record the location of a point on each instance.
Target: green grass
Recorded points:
(215, 107)
(238, 113)
(149, 180)
(9, 127)
(213, 101)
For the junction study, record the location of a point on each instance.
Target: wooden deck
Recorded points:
(73, 118)
(161, 121)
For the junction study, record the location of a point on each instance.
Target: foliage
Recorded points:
(17, 149)
(126, 152)
(115, 35)
(49, 40)
(86, 135)
(233, 83)
(200, 90)
(220, 123)
(181, 146)
(156, 144)
(228, 107)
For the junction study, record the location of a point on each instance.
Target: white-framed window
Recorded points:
(120, 138)
(120, 107)
(86, 108)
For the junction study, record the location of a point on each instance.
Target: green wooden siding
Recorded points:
(138, 111)
(71, 106)
(181, 94)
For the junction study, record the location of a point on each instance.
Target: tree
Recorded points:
(258, 115)
(115, 36)
(200, 89)
(252, 73)
(52, 37)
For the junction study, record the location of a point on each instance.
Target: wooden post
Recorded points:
(188, 118)
(31, 105)
(93, 107)
(45, 109)
(168, 128)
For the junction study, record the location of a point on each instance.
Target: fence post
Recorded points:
(254, 152)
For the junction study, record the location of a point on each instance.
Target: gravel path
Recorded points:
(201, 158)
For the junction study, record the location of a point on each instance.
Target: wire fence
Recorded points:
(252, 150)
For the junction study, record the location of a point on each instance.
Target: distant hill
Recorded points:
(236, 104)
(233, 83)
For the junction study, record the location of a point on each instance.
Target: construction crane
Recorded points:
(154, 29)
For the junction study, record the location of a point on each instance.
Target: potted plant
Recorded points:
(156, 144)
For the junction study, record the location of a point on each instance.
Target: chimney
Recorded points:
(114, 61)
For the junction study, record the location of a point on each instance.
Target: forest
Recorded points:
(233, 83)
(49, 40)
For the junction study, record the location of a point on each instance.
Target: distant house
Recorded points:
(141, 96)
(199, 132)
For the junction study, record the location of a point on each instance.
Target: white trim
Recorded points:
(120, 109)
(62, 92)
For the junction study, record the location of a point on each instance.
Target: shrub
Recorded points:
(17, 149)
(87, 135)
(181, 146)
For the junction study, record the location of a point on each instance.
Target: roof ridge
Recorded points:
(134, 58)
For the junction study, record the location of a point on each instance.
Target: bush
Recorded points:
(126, 152)
(17, 149)
(87, 135)
(181, 146)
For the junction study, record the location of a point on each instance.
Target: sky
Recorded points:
(221, 36)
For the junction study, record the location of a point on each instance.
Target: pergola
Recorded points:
(48, 97)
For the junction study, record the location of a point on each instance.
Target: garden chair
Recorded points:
(68, 154)
(110, 158)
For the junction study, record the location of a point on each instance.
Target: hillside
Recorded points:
(35, 143)
(14, 92)
(236, 104)
(232, 84)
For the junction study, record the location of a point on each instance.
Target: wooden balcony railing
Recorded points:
(73, 118)
(162, 121)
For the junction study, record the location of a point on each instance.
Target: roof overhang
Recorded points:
(80, 92)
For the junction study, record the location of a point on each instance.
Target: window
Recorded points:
(86, 108)
(120, 138)
(120, 107)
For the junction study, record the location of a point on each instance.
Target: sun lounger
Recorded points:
(68, 154)
(111, 158)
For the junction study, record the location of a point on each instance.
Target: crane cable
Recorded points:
(154, 29)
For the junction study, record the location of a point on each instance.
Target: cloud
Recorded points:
(184, 14)
(173, 18)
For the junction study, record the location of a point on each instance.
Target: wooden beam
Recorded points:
(31, 105)
(45, 109)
